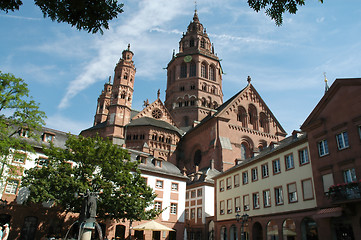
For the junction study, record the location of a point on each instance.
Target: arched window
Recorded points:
(244, 150)
(125, 76)
(203, 43)
(183, 72)
(212, 73)
(204, 87)
(253, 116)
(122, 96)
(203, 71)
(233, 233)
(223, 233)
(197, 157)
(272, 230)
(242, 116)
(154, 137)
(289, 229)
(215, 105)
(263, 122)
(309, 229)
(192, 69)
(191, 42)
(204, 102)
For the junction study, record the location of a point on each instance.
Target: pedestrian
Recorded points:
(1, 232)
(6, 232)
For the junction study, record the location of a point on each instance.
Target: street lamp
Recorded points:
(243, 219)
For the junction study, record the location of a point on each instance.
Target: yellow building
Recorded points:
(274, 189)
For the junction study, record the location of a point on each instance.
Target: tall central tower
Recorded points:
(194, 78)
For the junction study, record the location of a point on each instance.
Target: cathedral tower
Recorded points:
(194, 78)
(121, 97)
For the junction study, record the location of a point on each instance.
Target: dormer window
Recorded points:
(157, 162)
(24, 133)
(48, 137)
(142, 159)
(203, 43)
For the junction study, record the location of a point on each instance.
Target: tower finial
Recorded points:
(158, 93)
(326, 83)
(128, 46)
(195, 17)
(249, 80)
(195, 6)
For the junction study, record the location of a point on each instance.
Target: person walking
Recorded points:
(1, 232)
(6, 232)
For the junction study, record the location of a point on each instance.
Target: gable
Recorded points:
(247, 104)
(157, 111)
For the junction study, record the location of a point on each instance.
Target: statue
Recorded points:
(89, 207)
(146, 103)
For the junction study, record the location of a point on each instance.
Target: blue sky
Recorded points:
(66, 68)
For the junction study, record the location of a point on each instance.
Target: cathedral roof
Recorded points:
(147, 121)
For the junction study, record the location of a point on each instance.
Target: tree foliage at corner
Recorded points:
(89, 15)
(97, 165)
(18, 112)
(276, 8)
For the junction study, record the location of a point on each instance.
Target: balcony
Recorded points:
(344, 192)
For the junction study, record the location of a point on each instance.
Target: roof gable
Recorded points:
(314, 117)
(157, 111)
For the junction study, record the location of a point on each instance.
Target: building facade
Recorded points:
(334, 130)
(275, 189)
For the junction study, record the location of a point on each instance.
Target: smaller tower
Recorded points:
(103, 104)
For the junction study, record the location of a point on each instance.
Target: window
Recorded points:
(342, 140)
(203, 71)
(173, 208)
(187, 214)
(267, 198)
(157, 162)
(181, 88)
(42, 162)
(221, 185)
(327, 180)
(289, 161)
(199, 192)
(307, 189)
(278, 196)
(349, 175)
(292, 192)
(159, 184)
(193, 213)
(221, 207)
(246, 202)
(211, 73)
(245, 178)
(19, 157)
(255, 197)
(276, 166)
(237, 204)
(303, 154)
(229, 182)
(192, 69)
(193, 194)
(24, 133)
(183, 72)
(199, 212)
(229, 206)
(187, 195)
(48, 137)
(12, 186)
(264, 168)
(236, 180)
(203, 43)
(254, 174)
(322, 147)
(174, 186)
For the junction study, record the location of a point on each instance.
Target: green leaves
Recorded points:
(18, 113)
(276, 8)
(97, 165)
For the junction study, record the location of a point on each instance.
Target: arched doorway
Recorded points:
(223, 233)
(257, 231)
(233, 234)
(29, 228)
(289, 229)
(272, 230)
(309, 229)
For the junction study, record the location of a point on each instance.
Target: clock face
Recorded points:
(157, 113)
(188, 58)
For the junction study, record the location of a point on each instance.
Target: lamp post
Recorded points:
(243, 219)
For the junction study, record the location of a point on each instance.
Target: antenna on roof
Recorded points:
(326, 84)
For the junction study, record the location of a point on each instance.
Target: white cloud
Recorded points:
(66, 124)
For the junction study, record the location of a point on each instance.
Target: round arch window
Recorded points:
(197, 157)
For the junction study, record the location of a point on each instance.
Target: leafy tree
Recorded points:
(276, 8)
(98, 165)
(89, 15)
(18, 114)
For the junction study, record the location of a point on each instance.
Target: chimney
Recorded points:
(212, 164)
(197, 168)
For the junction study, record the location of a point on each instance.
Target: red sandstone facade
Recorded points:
(334, 135)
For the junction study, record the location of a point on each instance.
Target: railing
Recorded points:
(344, 192)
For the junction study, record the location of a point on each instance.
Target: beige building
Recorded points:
(275, 189)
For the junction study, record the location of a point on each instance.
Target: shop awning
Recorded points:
(153, 226)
